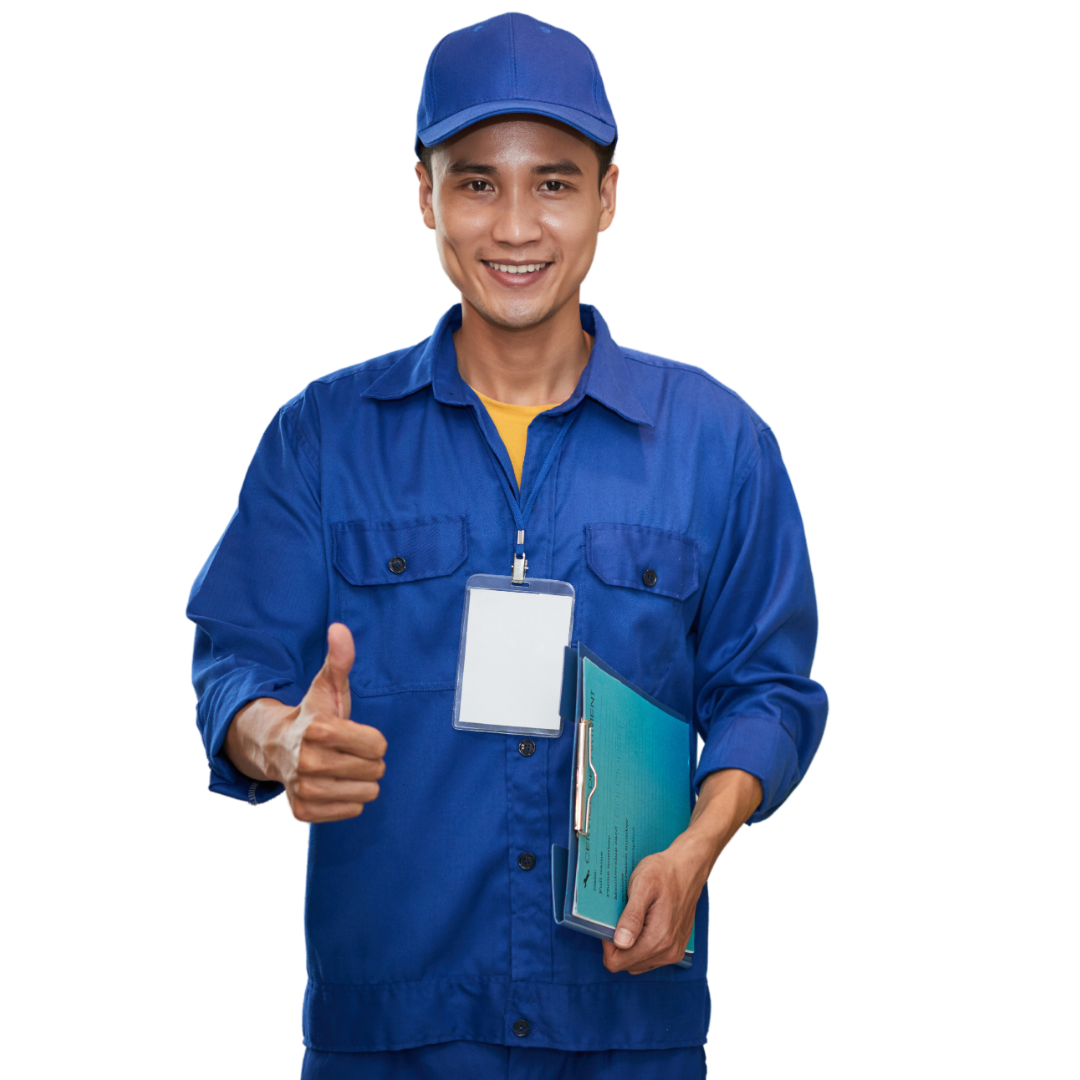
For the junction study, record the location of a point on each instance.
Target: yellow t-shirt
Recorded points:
(512, 422)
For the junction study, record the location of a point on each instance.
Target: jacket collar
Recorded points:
(608, 378)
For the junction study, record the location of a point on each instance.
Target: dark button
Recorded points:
(521, 1028)
(397, 566)
(526, 748)
(649, 577)
(526, 860)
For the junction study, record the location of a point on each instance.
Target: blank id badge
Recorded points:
(510, 667)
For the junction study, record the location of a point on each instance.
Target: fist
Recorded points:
(331, 766)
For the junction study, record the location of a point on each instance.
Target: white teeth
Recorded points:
(508, 268)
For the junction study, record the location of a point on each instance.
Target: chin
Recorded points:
(514, 314)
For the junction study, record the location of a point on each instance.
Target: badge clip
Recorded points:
(521, 564)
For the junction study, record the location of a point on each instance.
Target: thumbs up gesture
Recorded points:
(329, 765)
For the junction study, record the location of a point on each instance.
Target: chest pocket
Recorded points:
(400, 588)
(637, 582)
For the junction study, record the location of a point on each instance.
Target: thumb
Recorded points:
(333, 677)
(633, 917)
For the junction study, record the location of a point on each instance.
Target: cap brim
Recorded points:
(597, 130)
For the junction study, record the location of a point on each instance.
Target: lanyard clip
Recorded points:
(521, 564)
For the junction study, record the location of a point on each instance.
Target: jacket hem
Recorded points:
(653, 1015)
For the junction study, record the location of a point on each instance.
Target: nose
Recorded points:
(517, 222)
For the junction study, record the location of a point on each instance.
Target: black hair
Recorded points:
(604, 155)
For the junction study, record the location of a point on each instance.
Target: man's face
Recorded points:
(516, 207)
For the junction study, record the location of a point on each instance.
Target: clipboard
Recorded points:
(629, 792)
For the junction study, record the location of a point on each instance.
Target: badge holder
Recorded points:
(510, 666)
(514, 634)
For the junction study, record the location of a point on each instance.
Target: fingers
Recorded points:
(328, 790)
(347, 737)
(318, 813)
(647, 954)
(657, 945)
(620, 960)
(340, 654)
(329, 800)
(646, 935)
(319, 761)
(331, 783)
(641, 890)
(633, 917)
(335, 764)
(329, 690)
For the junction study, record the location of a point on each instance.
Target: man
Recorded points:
(372, 498)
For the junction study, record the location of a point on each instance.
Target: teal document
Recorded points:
(635, 762)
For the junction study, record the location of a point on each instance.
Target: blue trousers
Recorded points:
(486, 1061)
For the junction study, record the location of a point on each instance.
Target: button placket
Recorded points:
(530, 886)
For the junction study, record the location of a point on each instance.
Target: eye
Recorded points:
(480, 185)
(558, 186)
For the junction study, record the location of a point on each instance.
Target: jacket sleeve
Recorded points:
(755, 705)
(260, 602)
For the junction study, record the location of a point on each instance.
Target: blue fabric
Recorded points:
(485, 1061)
(663, 470)
(512, 64)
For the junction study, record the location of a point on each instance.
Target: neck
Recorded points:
(536, 365)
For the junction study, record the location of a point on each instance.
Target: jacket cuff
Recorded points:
(758, 745)
(242, 787)
(225, 779)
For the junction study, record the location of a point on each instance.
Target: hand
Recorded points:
(655, 926)
(330, 766)
(663, 890)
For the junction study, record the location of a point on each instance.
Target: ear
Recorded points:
(609, 197)
(424, 196)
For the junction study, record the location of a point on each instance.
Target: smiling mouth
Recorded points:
(516, 268)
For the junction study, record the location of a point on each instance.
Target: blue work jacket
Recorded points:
(422, 925)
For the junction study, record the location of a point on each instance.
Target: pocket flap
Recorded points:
(640, 557)
(367, 553)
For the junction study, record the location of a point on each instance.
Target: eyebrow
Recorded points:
(566, 168)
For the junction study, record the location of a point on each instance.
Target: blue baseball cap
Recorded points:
(512, 64)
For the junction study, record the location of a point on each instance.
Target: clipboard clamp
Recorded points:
(583, 803)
